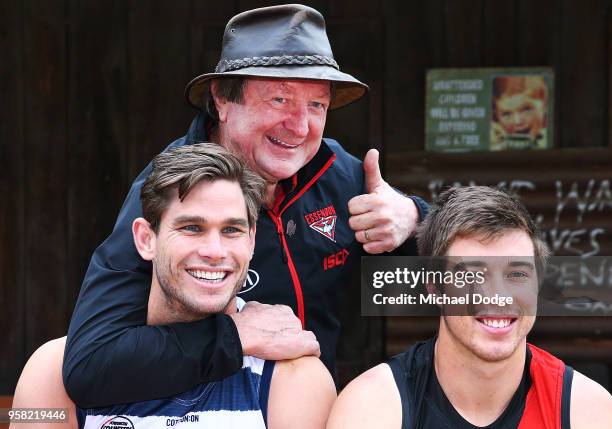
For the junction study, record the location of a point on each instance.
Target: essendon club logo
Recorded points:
(323, 221)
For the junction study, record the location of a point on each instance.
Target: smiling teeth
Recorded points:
(496, 323)
(207, 275)
(281, 143)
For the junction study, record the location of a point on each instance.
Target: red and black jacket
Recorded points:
(305, 255)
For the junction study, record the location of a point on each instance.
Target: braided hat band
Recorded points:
(282, 60)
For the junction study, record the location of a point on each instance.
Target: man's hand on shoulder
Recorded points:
(302, 393)
(273, 332)
(383, 218)
(369, 401)
(590, 404)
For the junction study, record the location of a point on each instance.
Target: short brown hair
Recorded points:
(232, 89)
(229, 89)
(475, 210)
(184, 167)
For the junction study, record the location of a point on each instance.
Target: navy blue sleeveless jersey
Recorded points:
(239, 401)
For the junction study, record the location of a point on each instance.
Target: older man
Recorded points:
(200, 205)
(479, 371)
(267, 101)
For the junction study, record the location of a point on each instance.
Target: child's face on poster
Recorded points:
(521, 114)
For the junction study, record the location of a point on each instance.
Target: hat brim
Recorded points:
(347, 89)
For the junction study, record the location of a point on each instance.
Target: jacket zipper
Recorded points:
(286, 255)
(287, 259)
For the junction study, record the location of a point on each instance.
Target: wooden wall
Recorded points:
(92, 90)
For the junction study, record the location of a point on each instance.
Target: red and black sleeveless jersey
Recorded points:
(541, 401)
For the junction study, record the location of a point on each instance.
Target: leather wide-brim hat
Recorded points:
(279, 42)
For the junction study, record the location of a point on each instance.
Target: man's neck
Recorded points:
(479, 390)
(270, 196)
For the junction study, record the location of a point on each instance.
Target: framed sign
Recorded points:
(489, 109)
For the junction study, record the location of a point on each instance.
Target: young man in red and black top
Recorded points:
(479, 371)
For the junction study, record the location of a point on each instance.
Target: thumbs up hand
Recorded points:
(373, 178)
(383, 218)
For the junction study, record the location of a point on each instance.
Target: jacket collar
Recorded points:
(199, 129)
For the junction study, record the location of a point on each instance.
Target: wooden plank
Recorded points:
(499, 43)
(204, 13)
(609, 80)
(585, 61)
(463, 32)
(374, 79)
(46, 165)
(539, 44)
(538, 33)
(352, 9)
(242, 5)
(97, 124)
(413, 42)
(159, 66)
(357, 44)
(12, 156)
(403, 332)
(207, 28)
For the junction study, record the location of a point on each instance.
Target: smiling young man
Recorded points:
(267, 102)
(200, 207)
(479, 371)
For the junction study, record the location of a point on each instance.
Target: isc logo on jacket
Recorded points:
(323, 221)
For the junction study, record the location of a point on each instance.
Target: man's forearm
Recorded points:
(149, 362)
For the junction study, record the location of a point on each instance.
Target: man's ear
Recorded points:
(252, 232)
(220, 103)
(144, 238)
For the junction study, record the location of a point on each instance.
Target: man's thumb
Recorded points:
(373, 178)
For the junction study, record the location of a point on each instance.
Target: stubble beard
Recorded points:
(471, 344)
(178, 302)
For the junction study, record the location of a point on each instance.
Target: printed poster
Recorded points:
(489, 109)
